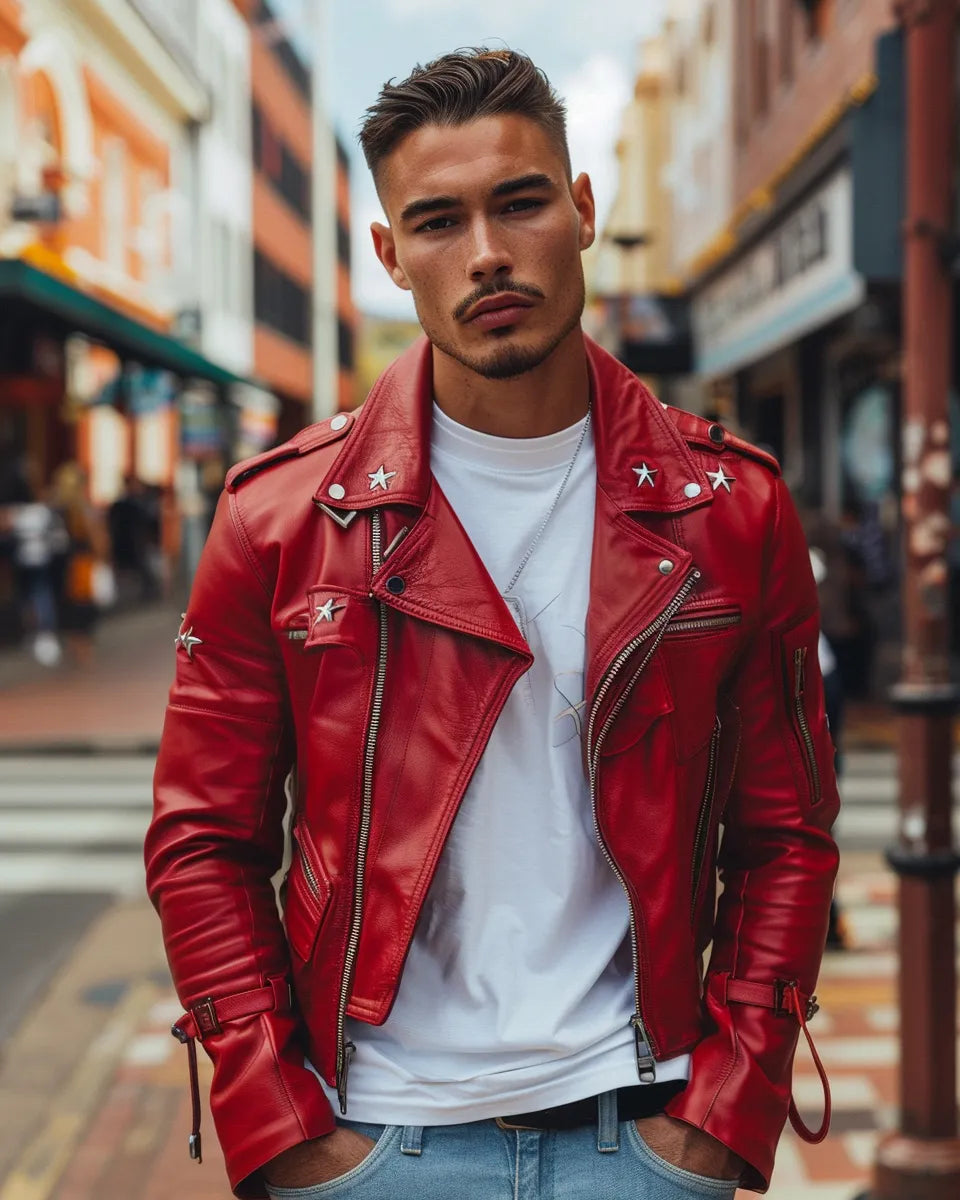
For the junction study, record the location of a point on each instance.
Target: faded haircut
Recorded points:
(463, 86)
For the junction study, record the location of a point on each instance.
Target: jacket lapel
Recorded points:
(643, 466)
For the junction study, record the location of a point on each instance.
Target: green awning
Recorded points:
(21, 282)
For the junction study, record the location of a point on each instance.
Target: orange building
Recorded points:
(282, 227)
(96, 120)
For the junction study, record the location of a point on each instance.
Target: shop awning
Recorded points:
(23, 283)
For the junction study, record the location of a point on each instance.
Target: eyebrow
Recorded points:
(509, 186)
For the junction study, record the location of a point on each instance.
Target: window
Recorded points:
(708, 26)
(344, 344)
(343, 243)
(277, 162)
(761, 58)
(279, 302)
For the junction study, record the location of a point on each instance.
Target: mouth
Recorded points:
(495, 312)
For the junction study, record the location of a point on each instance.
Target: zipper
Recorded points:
(706, 807)
(308, 871)
(345, 1048)
(799, 672)
(644, 1045)
(695, 624)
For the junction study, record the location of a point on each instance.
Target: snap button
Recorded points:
(716, 434)
(337, 491)
(339, 422)
(692, 489)
(665, 567)
(395, 585)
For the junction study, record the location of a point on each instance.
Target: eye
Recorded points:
(524, 204)
(434, 225)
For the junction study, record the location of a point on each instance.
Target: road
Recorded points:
(71, 837)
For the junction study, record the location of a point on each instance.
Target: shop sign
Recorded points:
(201, 425)
(797, 278)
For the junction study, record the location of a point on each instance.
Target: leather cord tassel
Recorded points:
(196, 1145)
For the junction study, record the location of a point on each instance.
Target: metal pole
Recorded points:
(921, 1160)
(326, 373)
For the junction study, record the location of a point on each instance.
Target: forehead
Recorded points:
(468, 159)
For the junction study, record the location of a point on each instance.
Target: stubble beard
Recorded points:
(508, 361)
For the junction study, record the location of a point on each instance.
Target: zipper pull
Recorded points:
(646, 1064)
(799, 665)
(349, 1049)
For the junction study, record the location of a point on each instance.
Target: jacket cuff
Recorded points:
(731, 1094)
(263, 1098)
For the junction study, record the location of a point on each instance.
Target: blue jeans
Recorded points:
(481, 1161)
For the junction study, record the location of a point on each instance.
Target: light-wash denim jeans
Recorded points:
(481, 1161)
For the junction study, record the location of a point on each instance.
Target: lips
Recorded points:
(503, 302)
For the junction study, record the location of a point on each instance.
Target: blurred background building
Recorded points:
(157, 287)
(752, 264)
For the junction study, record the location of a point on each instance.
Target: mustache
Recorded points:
(494, 289)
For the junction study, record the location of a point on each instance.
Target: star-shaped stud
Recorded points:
(645, 474)
(325, 611)
(719, 479)
(380, 479)
(185, 639)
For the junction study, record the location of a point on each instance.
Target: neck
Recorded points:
(553, 396)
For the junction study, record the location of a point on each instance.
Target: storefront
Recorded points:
(81, 381)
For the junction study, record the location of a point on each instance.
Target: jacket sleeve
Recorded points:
(777, 864)
(215, 842)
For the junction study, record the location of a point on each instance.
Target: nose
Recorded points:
(488, 254)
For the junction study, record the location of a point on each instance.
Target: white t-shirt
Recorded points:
(518, 989)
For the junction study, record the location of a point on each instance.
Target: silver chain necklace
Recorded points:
(514, 603)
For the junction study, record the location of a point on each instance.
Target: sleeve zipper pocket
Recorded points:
(803, 727)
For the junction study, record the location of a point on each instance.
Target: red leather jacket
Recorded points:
(341, 622)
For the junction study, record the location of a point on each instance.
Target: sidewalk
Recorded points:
(101, 1109)
(114, 704)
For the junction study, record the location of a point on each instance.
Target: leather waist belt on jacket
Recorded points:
(643, 1100)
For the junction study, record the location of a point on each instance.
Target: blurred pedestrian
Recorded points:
(87, 576)
(39, 538)
(833, 697)
(133, 537)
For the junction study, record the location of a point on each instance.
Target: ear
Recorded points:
(386, 250)
(582, 192)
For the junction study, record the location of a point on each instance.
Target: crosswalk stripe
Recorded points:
(64, 829)
(68, 872)
(69, 795)
(74, 824)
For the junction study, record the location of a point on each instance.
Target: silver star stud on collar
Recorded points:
(645, 474)
(185, 639)
(380, 479)
(325, 611)
(719, 479)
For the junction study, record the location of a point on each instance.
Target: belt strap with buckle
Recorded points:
(644, 1100)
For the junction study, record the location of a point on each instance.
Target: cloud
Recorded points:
(596, 95)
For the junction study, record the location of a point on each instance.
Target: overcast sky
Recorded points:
(587, 48)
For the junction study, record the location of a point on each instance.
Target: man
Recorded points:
(527, 639)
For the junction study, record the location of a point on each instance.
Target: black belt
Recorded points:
(644, 1100)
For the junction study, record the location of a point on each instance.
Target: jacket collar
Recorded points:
(630, 427)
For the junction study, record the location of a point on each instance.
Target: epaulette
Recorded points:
(710, 435)
(304, 442)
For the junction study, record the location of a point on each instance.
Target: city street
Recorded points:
(93, 1095)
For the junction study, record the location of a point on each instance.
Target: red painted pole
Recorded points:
(921, 1161)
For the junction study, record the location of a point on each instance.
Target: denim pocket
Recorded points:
(694, 1185)
(361, 1173)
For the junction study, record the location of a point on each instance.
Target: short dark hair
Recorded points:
(462, 86)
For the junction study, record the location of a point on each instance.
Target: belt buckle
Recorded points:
(509, 1126)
